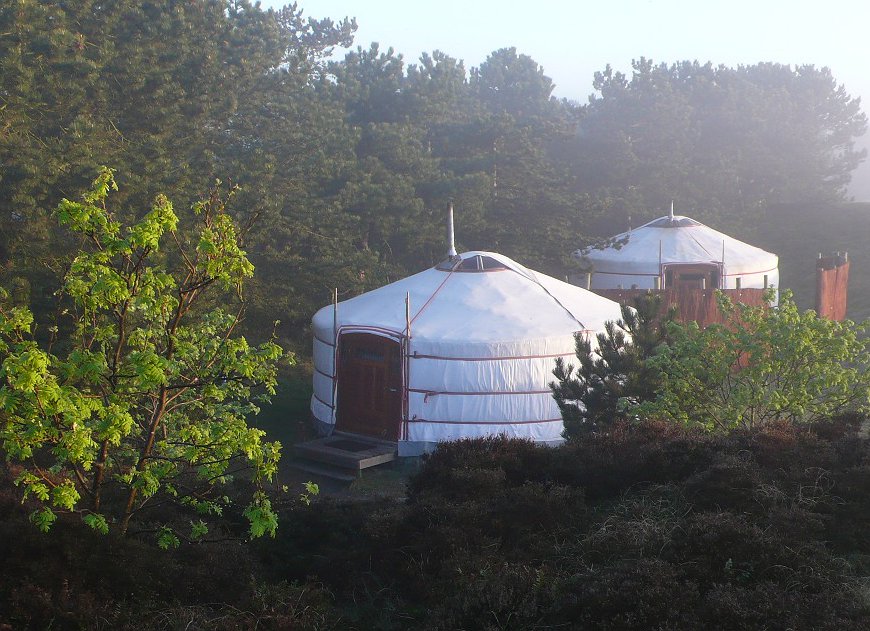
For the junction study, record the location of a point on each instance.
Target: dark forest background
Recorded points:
(346, 167)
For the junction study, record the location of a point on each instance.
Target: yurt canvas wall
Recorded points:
(475, 361)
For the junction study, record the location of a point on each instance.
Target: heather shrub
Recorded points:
(646, 526)
(464, 467)
(74, 578)
(607, 464)
(647, 593)
(674, 524)
(496, 595)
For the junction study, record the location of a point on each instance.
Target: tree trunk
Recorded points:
(100, 474)
(144, 455)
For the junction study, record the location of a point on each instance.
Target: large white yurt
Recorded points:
(464, 349)
(677, 251)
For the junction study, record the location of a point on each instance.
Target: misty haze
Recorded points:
(401, 315)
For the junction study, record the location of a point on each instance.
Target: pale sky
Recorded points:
(571, 40)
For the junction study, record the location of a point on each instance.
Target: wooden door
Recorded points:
(692, 276)
(369, 385)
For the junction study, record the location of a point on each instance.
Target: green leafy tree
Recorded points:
(615, 374)
(763, 364)
(139, 394)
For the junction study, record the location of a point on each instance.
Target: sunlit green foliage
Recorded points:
(141, 391)
(761, 365)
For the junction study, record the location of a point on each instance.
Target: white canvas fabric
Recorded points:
(677, 239)
(481, 350)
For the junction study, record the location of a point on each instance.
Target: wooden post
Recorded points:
(588, 281)
(407, 376)
(335, 315)
(334, 351)
(408, 314)
(832, 286)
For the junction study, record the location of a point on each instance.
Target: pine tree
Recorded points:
(614, 374)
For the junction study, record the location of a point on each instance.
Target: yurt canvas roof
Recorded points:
(677, 239)
(500, 309)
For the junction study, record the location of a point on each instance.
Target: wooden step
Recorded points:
(325, 470)
(347, 451)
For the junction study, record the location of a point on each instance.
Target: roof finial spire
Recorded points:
(671, 214)
(451, 252)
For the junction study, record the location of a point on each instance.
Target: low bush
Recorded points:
(643, 527)
(646, 526)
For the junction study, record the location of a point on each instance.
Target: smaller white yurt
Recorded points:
(675, 252)
(462, 350)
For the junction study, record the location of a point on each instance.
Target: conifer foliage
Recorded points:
(348, 164)
(614, 375)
